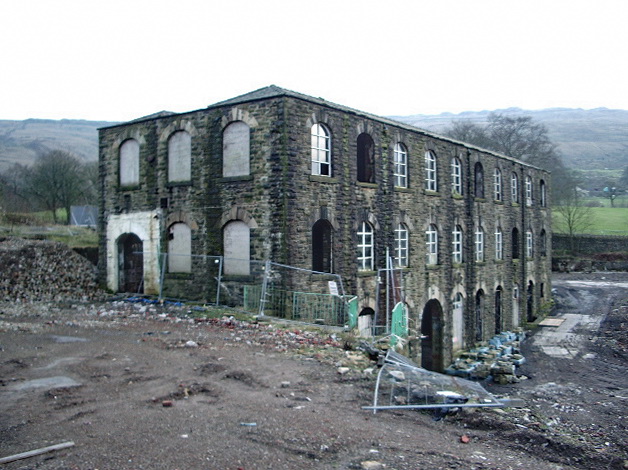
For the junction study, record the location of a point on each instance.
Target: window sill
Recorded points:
(498, 201)
(232, 179)
(130, 187)
(323, 277)
(367, 273)
(176, 184)
(238, 277)
(457, 196)
(402, 189)
(362, 184)
(480, 199)
(323, 179)
(179, 276)
(457, 265)
(432, 267)
(432, 193)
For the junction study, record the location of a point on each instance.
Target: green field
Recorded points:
(604, 221)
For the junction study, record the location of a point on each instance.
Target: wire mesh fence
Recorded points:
(259, 287)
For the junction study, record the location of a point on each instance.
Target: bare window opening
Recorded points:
(322, 246)
(366, 159)
(515, 243)
(479, 180)
(479, 315)
(498, 310)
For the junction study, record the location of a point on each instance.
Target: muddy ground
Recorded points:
(138, 386)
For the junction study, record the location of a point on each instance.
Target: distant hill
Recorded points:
(595, 139)
(22, 141)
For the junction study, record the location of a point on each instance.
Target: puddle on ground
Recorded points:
(68, 339)
(47, 383)
(57, 362)
(596, 284)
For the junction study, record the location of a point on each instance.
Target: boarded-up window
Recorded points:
(236, 149)
(179, 248)
(130, 163)
(237, 248)
(179, 157)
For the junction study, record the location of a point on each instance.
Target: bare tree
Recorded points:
(56, 180)
(577, 217)
(519, 137)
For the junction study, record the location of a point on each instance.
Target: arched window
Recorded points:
(528, 191)
(456, 176)
(366, 158)
(431, 245)
(543, 191)
(499, 244)
(456, 245)
(497, 185)
(179, 248)
(366, 252)
(401, 246)
(130, 163)
(479, 180)
(237, 248)
(180, 157)
(514, 188)
(236, 149)
(322, 246)
(529, 244)
(400, 157)
(431, 175)
(321, 150)
(479, 244)
(515, 243)
(543, 243)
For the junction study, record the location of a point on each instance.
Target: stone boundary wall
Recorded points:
(590, 244)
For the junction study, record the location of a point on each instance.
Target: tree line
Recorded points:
(56, 181)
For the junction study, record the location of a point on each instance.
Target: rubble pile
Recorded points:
(497, 359)
(42, 270)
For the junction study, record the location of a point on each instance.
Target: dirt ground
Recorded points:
(139, 386)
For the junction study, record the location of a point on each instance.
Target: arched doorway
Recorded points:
(530, 302)
(479, 315)
(130, 264)
(365, 322)
(432, 336)
(498, 310)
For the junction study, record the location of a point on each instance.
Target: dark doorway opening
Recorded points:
(432, 336)
(130, 264)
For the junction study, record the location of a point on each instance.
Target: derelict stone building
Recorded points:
(278, 175)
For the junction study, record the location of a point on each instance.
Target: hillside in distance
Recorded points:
(23, 141)
(595, 139)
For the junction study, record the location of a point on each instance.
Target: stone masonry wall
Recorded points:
(281, 201)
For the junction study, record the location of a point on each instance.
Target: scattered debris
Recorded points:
(401, 384)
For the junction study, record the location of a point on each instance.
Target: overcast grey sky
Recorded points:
(117, 60)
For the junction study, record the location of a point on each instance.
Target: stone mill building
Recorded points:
(281, 176)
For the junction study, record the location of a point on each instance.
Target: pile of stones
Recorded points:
(42, 270)
(497, 359)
